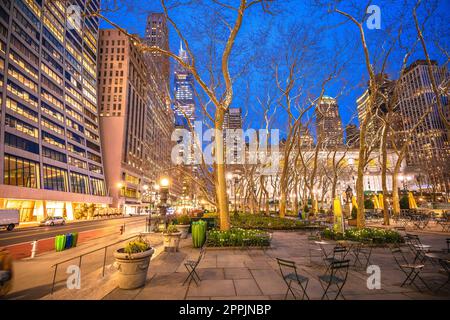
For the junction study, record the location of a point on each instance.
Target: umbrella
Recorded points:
(411, 201)
(316, 206)
(354, 204)
(376, 203)
(380, 201)
(337, 210)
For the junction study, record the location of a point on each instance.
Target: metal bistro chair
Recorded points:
(191, 266)
(338, 254)
(362, 253)
(445, 264)
(411, 270)
(290, 275)
(448, 245)
(418, 249)
(336, 276)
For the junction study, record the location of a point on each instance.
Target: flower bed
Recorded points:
(379, 236)
(235, 238)
(253, 221)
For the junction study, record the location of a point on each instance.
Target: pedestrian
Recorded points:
(5, 271)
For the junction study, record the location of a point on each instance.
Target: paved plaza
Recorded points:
(254, 274)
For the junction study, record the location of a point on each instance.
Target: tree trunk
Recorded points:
(221, 188)
(383, 147)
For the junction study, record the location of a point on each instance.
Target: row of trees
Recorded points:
(292, 73)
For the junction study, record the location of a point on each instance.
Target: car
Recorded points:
(52, 221)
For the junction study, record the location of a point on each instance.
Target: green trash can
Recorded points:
(198, 233)
(74, 239)
(60, 242)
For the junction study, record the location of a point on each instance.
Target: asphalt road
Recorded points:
(29, 234)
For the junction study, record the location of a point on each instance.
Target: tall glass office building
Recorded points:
(50, 150)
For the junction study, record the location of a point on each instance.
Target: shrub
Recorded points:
(254, 221)
(140, 244)
(380, 236)
(404, 203)
(184, 219)
(368, 204)
(171, 229)
(235, 238)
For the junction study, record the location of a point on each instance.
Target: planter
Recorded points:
(184, 229)
(352, 222)
(171, 241)
(132, 268)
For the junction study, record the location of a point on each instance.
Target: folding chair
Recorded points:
(362, 254)
(448, 245)
(411, 270)
(338, 254)
(290, 275)
(417, 248)
(445, 270)
(191, 266)
(315, 247)
(336, 276)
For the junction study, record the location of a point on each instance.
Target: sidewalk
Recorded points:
(32, 278)
(254, 274)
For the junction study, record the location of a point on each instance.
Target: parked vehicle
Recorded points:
(52, 221)
(9, 218)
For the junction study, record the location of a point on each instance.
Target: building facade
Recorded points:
(51, 154)
(429, 148)
(184, 103)
(328, 123)
(124, 104)
(352, 135)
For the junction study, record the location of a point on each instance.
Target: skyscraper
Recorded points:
(157, 35)
(50, 150)
(429, 148)
(124, 118)
(184, 104)
(233, 142)
(328, 122)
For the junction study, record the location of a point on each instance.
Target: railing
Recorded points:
(105, 248)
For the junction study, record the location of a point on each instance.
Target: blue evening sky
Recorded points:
(330, 40)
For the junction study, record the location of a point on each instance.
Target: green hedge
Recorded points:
(235, 236)
(381, 236)
(254, 221)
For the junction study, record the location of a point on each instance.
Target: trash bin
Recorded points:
(69, 241)
(74, 239)
(198, 233)
(60, 242)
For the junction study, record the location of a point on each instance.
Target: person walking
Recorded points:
(5, 271)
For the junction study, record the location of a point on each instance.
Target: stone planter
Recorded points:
(132, 268)
(171, 241)
(184, 229)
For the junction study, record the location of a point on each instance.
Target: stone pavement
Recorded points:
(254, 274)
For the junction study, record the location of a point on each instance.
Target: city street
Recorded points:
(8, 238)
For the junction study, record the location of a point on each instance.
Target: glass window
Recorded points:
(20, 172)
(55, 178)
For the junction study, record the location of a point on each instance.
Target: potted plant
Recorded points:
(132, 262)
(353, 221)
(171, 238)
(183, 225)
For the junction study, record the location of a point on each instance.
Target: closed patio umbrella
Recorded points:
(315, 206)
(411, 201)
(381, 201)
(337, 211)
(354, 204)
(375, 201)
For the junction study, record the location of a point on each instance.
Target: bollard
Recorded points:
(122, 229)
(34, 248)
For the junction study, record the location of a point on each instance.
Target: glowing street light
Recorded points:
(164, 182)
